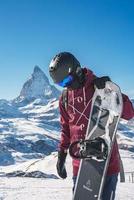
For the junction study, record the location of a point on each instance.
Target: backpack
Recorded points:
(64, 97)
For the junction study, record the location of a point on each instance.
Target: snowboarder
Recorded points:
(75, 105)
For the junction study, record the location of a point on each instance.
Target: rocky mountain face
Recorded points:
(37, 87)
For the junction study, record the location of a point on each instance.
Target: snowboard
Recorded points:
(105, 114)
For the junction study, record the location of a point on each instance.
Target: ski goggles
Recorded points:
(66, 81)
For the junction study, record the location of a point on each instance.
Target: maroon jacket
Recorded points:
(74, 120)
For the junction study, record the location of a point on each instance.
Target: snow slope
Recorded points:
(51, 187)
(48, 189)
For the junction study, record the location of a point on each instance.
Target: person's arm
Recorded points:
(64, 142)
(128, 110)
(65, 131)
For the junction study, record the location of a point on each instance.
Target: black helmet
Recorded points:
(62, 65)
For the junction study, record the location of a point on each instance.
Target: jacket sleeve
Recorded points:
(128, 110)
(65, 131)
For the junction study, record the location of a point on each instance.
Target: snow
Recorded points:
(125, 191)
(7, 109)
(25, 188)
(16, 188)
(48, 189)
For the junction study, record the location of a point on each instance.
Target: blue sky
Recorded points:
(99, 33)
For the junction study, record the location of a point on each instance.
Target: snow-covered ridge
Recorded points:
(7, 109)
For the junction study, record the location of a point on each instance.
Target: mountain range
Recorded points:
(29, 124)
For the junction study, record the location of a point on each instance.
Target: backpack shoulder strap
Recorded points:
(65, 98)
(122, 173)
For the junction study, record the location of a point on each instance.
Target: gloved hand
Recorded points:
(61, 170)
(100, 82)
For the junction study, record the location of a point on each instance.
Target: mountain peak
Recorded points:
(37, 87)
(39, 75)
(37, 69)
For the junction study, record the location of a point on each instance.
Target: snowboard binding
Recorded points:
(86, 149)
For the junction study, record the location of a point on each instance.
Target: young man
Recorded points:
(66, 71)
